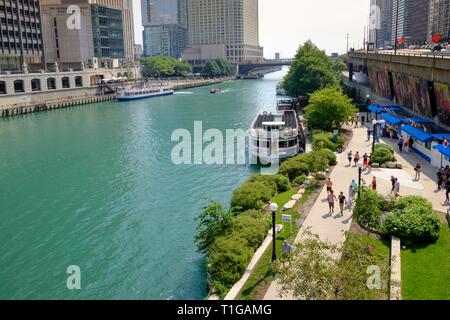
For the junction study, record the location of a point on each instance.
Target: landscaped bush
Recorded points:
(231, 252)
(328, 154)
(383, 153)
(304, 164)
(413, 201)
(367, 210)
(299, 180)
(324, 140)
(251, 195)
(415, 224)
(282, 183)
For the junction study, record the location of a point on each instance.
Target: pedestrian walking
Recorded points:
(286, 248)
(350, 158)
(374, 184)
(397, 188)
(365, 161)
(350, 196)
(369, 134)
(410, 144)
(329, 184)
(363, 120)
(369, 164)
(447, 192)
(356, 158)
(354, 187)
(393, 184)
(331, 197)
(401, 141)
(440, 178)
(417, 169)
(341, 203)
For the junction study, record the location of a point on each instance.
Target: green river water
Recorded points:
(94, 186)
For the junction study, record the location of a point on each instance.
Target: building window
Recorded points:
(65, 82)
(35, 85)
(78, 81)
(18, 86)
(2, 87)
(51, 84)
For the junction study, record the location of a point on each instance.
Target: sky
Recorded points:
(285, 24)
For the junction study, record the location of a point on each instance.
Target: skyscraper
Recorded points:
(21, 34)
(410, 19)
(439, 19)
(223, 29)
(165, 27)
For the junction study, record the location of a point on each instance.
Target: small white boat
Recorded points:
(281, 91)
(146, 92)
(275, 136)
(216, 90)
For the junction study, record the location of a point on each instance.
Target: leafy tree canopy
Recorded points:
(311, 70)
(218, 67)
(329, 108)
(164, 66)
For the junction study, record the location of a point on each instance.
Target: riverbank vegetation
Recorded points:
(218, 68)
(160, 66)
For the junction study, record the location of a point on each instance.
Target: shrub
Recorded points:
(413, 201)
(382, 154)
(329, 155)
(252, 226)
(413, 225)
(299, 181)
(316, 162)
(385, 146)
(367, 209)
(228, 261)
(324, 140)
(267, 180)
(251, 195)
(282, 183)
(294, 167)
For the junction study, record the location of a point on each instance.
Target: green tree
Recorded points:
(211, 68)
(213, 221)
(311, 70)
(163, 66)
(226, 69)
(218, 67)
(328, 108)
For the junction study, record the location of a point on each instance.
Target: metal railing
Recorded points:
(408, 54)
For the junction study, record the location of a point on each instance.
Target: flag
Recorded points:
(401, 40)
(437, 38)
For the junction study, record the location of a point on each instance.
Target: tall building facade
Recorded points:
(21, 34)
(165, 27)
(223, 29)
(410, 21)
(104, 32)
(439, 19)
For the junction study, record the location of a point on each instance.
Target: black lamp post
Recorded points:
(368, 103)
(273, 207)
(359, 165)
(396, 27)
(374, 123)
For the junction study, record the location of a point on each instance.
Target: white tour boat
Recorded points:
(146, 92)
(269, 128)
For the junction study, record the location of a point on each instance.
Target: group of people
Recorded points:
(443, 182)
(341, 199)
(355, 158)
(402, 143)
(395, 186)
(358, 119)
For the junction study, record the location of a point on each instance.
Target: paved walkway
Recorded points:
(330, 228)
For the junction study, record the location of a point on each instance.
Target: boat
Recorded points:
(280, 90)
(285, 104)
(285, 124)
(145, 92)
(216, 90)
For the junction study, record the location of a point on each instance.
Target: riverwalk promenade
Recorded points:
(331, 228)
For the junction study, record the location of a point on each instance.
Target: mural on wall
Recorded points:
(412, 92)
(442, 92)
(379, 82)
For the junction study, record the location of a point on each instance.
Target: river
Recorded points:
(94, 186)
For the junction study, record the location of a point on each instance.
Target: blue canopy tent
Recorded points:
(420, 120)
(417, 133)
(441, 136)
(394, 121)
(443, 150)
(375, 109)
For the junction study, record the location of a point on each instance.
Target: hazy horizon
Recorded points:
(285, 24)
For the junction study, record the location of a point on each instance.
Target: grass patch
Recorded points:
(426, 269)
(261, 277)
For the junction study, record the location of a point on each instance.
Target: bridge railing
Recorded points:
(408, 54)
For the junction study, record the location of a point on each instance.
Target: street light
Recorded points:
(360, 166)
(273, 207)
(368, 102)
(374, 123)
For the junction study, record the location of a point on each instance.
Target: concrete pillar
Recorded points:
(72, 81)
(9, 86)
